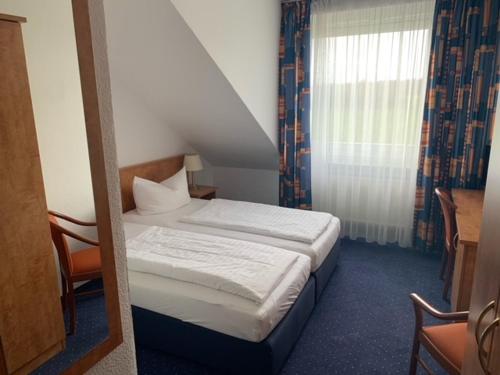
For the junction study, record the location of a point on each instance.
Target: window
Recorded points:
(369, 79)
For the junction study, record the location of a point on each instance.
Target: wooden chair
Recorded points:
(448, 261)
(444, 342)
(75, 266)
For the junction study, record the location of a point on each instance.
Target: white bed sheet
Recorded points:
(213, 309)
(246, 269)
(264, 219)
(316, 251)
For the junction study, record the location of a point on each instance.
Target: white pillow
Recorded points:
(152, 198)
(178, 182)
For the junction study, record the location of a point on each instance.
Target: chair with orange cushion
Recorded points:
(75, 266)
(444, 342)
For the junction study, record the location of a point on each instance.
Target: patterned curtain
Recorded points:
(294, 105)
(460, 107)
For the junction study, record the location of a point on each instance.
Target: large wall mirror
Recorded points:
(59, 305)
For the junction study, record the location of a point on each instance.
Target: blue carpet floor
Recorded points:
(91, 330)
(363, 323)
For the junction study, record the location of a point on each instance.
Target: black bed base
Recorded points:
(324, 272)
(222, 351)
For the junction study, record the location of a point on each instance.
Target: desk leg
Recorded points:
(463, 277)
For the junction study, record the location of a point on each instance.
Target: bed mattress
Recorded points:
(316, 251)
(216, 310)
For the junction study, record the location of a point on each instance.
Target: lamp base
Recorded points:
(191, 182)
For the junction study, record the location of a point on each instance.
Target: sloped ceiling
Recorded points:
(154, 53)
(246, 54)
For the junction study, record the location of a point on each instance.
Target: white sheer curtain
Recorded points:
(369, 78)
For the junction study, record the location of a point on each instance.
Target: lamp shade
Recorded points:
(192, 162)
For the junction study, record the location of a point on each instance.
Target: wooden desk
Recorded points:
(469, 215)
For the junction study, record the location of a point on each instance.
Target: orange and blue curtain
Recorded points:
(294, 105)
(459, 108)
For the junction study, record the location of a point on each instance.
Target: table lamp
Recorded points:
(192, 162)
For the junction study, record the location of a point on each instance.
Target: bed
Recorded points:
(214, 327)
(324, 251)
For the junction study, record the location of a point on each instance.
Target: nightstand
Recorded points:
(202, 192)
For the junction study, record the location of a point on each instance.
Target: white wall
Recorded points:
(50, 46)
(157, 57)
(243, 39)
(253, 185)
(140, 135)
(164, 103)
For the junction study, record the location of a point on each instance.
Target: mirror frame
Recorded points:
(103, 205)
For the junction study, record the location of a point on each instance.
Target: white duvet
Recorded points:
(263, 219)
(241, 268)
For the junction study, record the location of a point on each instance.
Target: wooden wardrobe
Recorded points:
(31, 321)
(482, 355)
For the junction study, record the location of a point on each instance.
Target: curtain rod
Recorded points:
(290, 1)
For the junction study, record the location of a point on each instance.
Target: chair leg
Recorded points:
(444, 261)
(64, 292)
(72, 308)
(414, 356)
(448, 277)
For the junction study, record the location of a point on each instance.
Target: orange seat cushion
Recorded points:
(87, 260)
(449, 340)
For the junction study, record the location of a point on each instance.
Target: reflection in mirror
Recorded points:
(54, 306)
(82, 291)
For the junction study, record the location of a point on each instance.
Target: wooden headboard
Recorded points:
(157, 170)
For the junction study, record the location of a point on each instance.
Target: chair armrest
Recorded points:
(78, 237)
(72, 220)
(421, 305)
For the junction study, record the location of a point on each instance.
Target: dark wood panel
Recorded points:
(11, 18)
(3, 365)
